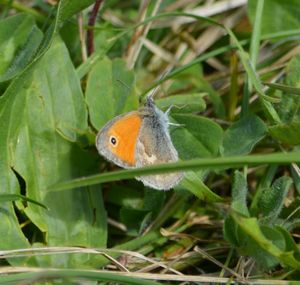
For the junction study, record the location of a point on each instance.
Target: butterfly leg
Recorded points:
(169, 123)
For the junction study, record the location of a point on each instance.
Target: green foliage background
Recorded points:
(52, 104)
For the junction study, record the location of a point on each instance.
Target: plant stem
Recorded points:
(91, 23)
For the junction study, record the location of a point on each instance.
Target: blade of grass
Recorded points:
(84, 68)
(140, 245)
(235, 161)
(74, 274)
(138, 276)
(255, 38)
(265, 99)
(254, 50)
(16, 197)
(285, 88)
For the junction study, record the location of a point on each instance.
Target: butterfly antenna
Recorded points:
(150, 96)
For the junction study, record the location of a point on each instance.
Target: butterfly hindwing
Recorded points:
(154, 146)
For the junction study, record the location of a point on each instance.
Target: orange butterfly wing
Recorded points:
(124, 130)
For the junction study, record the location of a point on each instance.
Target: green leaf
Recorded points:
(40, 118)
(70, 7)
(193, 183)
(271, 200)
(65, 9)
(214, 96)
(288, 108)
(128, 196)
(109, 91)
(243, 135)
(286, 133)
(265, 182)
(290, 244)
(154, 201)
(262, 257)
(278, 15)
(239, 194)
(251, 227)
(183, 103)
(232, 232)
(197, 137)
(133, 219)
(19, 40)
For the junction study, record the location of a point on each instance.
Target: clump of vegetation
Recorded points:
(230, 69)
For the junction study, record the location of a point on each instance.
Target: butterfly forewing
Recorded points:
(117, 139)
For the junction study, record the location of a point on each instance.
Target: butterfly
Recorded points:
(140, 138)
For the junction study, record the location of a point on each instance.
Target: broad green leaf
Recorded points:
(40, 118)
(239, 194)
(183, 103)
(286, 133)
(197, 137)
(278, 15)
(243, 135)
(251, 227)
(109, 91)
(65, 9)
(271, 199)
(19, 40)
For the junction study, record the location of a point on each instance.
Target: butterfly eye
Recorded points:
(113, 141)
